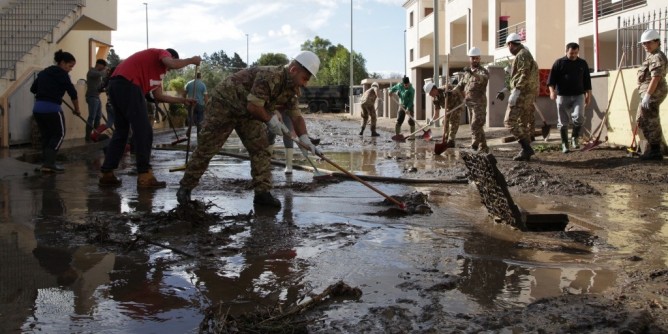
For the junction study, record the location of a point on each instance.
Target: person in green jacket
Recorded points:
(406, 94)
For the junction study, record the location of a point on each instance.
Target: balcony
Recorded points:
(606, 7)
(519, 28)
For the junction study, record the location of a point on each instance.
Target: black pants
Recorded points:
(51, 128)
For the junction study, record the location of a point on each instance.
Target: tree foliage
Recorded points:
(335, 63)
(272, 59)
(113, 59)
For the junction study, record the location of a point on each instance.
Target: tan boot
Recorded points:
(147, 180)
(108, 179)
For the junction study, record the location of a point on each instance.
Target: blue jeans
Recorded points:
(131, 112)
(570, 108)
(94, 110)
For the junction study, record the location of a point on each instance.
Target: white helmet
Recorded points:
(428, 87)
(309, 60)
(515, 38)
(649, 35)
(375, 84)
(473, 52)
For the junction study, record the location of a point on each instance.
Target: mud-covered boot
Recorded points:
(147, 180)
(108, 179)
(564, 139)
(183, 195)
(362, 131)
(654, 153)
(266, 199)
(397, 129)
(526, 152)
(450, 143)
(574, 137)
(289, 153)
(483, 148)
(474, 146)
(373, 131)
(412, 136)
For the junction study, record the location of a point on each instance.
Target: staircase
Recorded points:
(28, 28)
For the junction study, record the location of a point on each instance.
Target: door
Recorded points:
(20, 113)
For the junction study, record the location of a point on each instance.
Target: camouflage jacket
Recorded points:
(474, 85)
(524, 72)
(655, 65)
(267, 86)
(455, 97)
(370, 96)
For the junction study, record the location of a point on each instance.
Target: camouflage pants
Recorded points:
(218, 124)
(368, 110)
(478, 120)
(531, 121)
(518, 117)
(451, 124)
(649, 120)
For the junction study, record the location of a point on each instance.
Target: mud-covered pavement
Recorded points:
(78, 258)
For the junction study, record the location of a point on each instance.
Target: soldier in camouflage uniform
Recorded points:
(474, 88)
(653, 90)
(523, 92)
(455, 99)
(248, 103)
(369, 109)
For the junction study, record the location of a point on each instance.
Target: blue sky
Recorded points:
(196, 27)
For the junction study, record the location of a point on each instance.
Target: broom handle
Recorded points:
(354, 177)
(444, 114)
(612, 93)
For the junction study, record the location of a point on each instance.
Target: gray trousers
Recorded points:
(570, 109)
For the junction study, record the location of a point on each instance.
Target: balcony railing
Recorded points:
(519, 28)
(630, 29)
(606, 7)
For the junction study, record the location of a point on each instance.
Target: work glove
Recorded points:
(645, 101)
(514, 95)
(304, 139)
(502, 94)
(277, 127)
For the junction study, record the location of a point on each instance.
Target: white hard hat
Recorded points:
(428, 87)
(649, 35)
(513, 38)
(473, 52)
(375, 84)
(309, 60)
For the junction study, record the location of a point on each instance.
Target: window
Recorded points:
(428, 11)
(410, 20)
(411, 55)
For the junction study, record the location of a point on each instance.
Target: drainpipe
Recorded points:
(436, 42)
(595, 18)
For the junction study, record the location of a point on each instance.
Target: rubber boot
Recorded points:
(474, 146)
(564, 139)
(373, 131)
(574, 137)
(289, 152)
(49, 164)
(526, 152)
(88, 131)
(483, 148)
(397, 129)
(362, 131)
(183, 195)
(147, 180)
(412, 137)
(108, 179)
(450, 143)
(654, 153)
(266, 199)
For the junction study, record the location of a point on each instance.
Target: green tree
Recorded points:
(272, 59)
(113, 59)
(236, 63)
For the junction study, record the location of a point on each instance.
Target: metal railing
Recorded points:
(606, 7)
(23, 24)
(519, 28)
(628, 35)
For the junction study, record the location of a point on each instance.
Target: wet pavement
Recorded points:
(452, 261)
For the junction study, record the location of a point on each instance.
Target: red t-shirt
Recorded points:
(144, 68)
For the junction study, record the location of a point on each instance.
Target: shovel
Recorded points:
(441, 147)
(401, 205)
(427, 133)
(633, 149)
(97, 133)
(596, 142)
(545, 129)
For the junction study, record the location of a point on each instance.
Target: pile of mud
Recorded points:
(533, 179)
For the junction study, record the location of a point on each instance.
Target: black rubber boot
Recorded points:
(183, 195)
(654, 153)
(49, 162)
(526, 152)
(266, 199)
(362, 131)
(574, 137)
(564, 139)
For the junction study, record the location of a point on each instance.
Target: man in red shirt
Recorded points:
(140, 74)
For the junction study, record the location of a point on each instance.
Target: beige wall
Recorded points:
(101, 15)
(548, 42)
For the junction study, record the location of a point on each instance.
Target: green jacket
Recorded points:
(406, 95)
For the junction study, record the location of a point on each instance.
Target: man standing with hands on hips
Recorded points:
(570, 86)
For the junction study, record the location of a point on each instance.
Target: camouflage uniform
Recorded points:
(524, 77)
(474, 87)
(451, 123)
(227, 111)
(649, 121)
(369, 108)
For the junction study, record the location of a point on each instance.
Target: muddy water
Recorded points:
(452, 261)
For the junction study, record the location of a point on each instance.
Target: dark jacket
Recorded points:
(51, 85)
